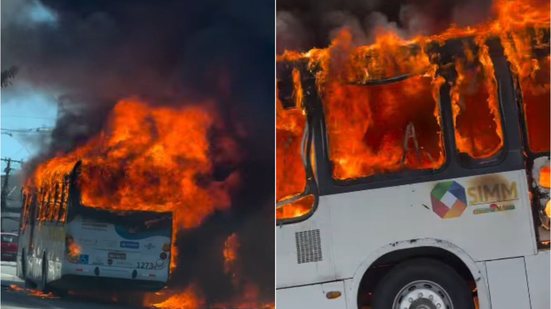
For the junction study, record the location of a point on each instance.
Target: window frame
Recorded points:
(386, 176)
(469, 162)
(512, 152)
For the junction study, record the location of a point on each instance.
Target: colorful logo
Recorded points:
(448, 199)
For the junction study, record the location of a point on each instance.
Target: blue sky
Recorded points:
(24, 108)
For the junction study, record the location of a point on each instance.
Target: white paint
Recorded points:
(508, 286)
(358, 227)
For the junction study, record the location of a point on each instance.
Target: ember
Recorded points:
(231, 245)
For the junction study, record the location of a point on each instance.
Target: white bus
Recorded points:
(438, 201)
(64, 245)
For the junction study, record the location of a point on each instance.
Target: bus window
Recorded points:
(297, 208)
(54, 210)
(290, 165)
(64, 200)
(49, 203)
(24, 211)
(535, 98)
(384, 128)
(41, 204)
(291, 175)
(475, 106)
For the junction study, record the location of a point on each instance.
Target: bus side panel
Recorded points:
(364, 221)
(312, 296)
(296, 243)
(508, 286)
(537, 270)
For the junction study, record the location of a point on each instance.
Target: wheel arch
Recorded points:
(399, 251)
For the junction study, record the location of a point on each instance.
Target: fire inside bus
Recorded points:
(415, 175)
(65, 245)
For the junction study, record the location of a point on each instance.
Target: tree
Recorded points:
(8, 75)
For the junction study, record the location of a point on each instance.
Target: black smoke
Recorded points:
(90, 54)
(304, 24)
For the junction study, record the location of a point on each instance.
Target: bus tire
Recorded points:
(43, 285)
(422, 283)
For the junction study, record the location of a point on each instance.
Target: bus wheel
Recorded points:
(422, 283)
(44, 278)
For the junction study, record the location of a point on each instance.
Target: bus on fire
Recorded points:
(414, 190)
(64, 245)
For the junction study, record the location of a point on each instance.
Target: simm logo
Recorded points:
(448, 199)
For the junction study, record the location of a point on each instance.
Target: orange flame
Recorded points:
(388, 127)
(231, 245)
(291, 176)
(148, 158)
(190, 298)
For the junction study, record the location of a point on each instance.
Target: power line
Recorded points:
(39, 130)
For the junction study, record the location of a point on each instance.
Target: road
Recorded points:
(14, 296)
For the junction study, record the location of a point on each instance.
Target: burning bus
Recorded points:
(65, 244)
(110, 209)
(415, 174)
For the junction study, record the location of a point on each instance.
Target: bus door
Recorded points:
(32, 223)
(303, 243)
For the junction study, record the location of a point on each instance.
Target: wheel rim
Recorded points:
(422, 294)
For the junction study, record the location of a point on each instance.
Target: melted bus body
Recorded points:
(471, 230)
(64, 245)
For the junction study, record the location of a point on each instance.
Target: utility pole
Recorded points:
(4, 193)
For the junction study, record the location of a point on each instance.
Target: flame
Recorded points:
(73, 251)
(32, 292)
(188, 299)
(544, 177)
(151, 159)
(479, 131)
(291, 176)
(396, 125)
(231, 245)
(295, 209)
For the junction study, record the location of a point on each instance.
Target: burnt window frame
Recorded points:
(381, 177)
(465, 159)
(512, 152)
(524, 120)
(308, 149)
(311, 182)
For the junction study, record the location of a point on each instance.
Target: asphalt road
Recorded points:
(15, 296)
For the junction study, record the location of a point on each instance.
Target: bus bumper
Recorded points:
(86, 276)
(76, 282)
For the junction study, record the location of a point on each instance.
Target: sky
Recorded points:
(22, 105)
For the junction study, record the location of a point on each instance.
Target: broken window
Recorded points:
(535, 98)
(291, 138)
(384, 128)
(528, 54)
(291, 174)
(475, 105)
